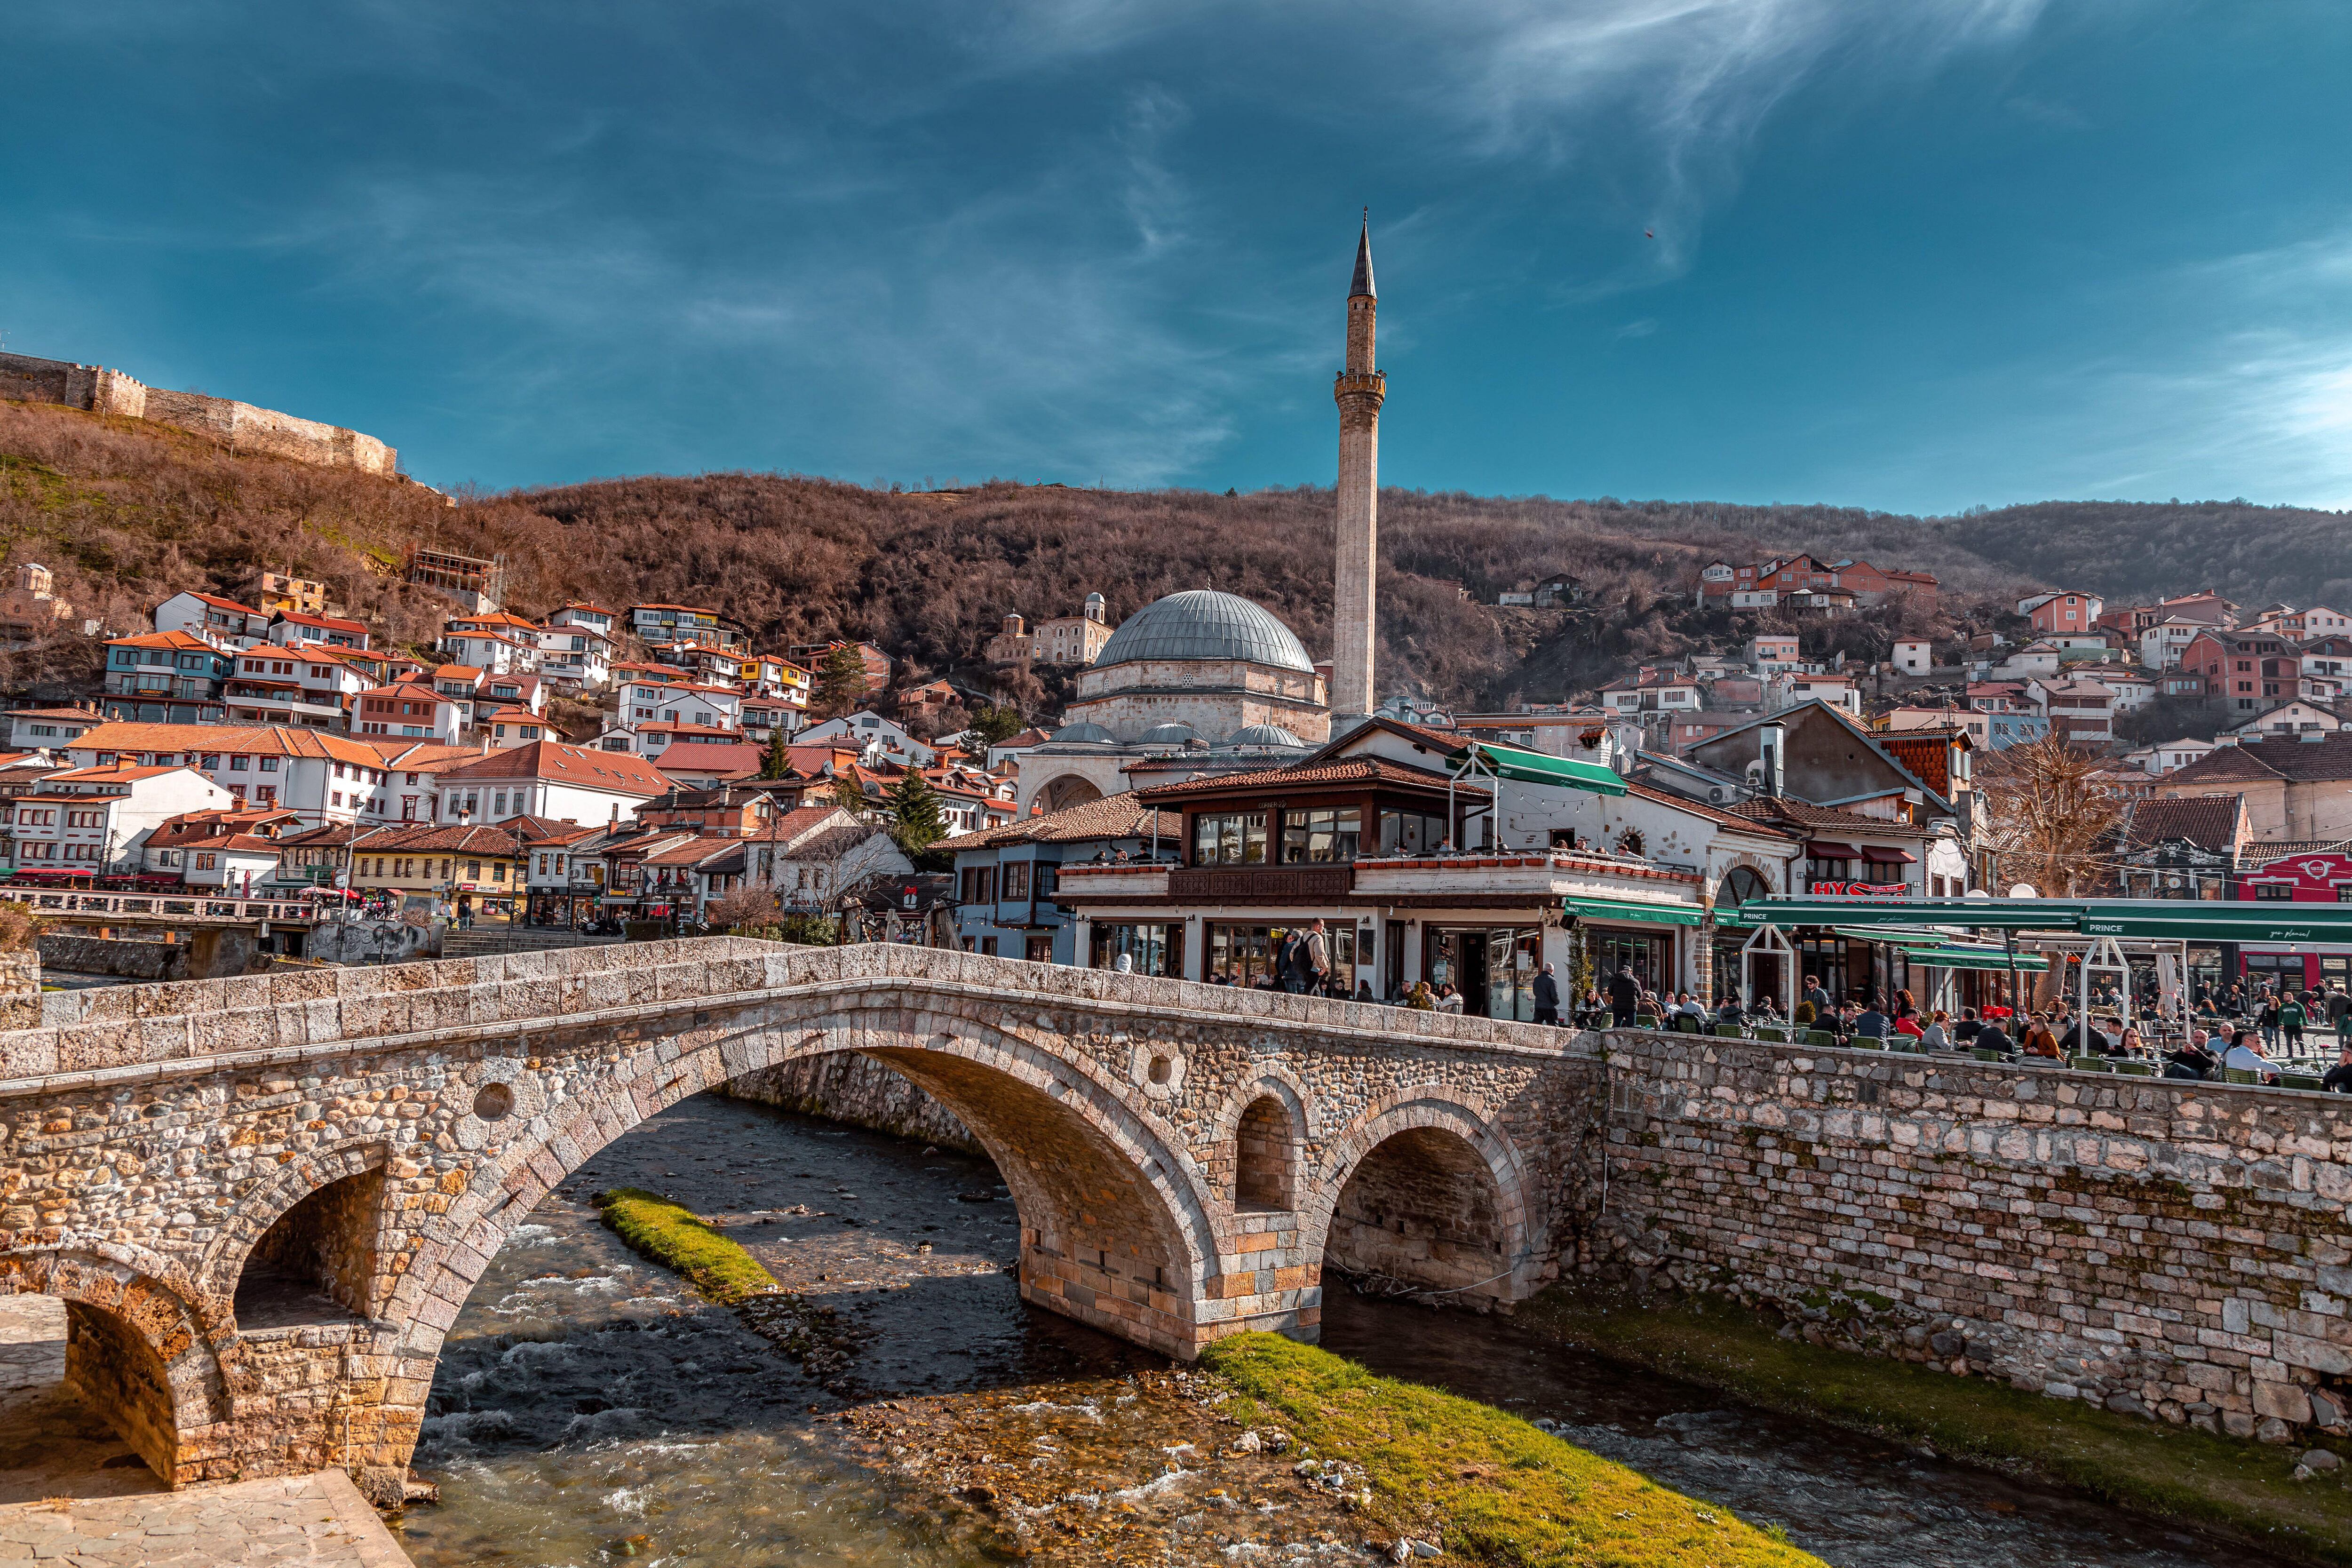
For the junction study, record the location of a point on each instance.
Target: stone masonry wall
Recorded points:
(2174, 1249)
(239, 425)
(860, 1091)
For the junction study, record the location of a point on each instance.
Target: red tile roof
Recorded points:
(555, 763)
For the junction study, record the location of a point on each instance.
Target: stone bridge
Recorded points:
(265, 1200)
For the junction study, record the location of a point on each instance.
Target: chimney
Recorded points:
(1768, 743)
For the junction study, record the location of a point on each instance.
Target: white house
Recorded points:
(326, 778)
(492, 652)
(546, 779)
(95, 821)
(291, 629)
(2160, 644)
(2169, 757)
(1792, 688)
(45, 729)
(2297, 718)
(2132, 689)
(692, 703)
(216, 619)
(876, 738)
(1914, 656)
(576, 656)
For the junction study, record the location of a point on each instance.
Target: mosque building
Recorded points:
(1203, 682)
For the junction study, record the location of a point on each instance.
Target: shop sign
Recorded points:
(1861, 890)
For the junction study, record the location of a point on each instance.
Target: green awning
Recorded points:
(1898, 935)
(1629, 910)
(2256, 920)
(1975, 958)
(1520, 765)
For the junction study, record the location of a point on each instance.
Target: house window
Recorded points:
(207, 861)
(2284, 891)
(1320, 836)
(1229, 838)
(1016, 881)
(1410, 832)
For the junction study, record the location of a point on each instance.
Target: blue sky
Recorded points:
(1914, 256)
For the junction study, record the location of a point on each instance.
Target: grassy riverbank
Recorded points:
(1485, 1485)
(657, 1228)
(2246, 1489)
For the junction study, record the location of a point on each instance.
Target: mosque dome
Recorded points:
(1170, 735)
(1092, 734)
(1264, 735)
(1202, 624)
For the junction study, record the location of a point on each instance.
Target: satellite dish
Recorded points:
(1976, 893)
(2022, 890)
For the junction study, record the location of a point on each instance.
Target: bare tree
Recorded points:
(2045, 809)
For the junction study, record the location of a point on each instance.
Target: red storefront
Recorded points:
(2322, 878)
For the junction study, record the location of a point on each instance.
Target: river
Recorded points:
(589, 1409)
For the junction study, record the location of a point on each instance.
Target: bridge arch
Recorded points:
(1117, 1226)
(266, 1204)
(140, 1347)
(1425, 1189)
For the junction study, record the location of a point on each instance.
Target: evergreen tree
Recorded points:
(915, 812)
(777, 763)
(841, 683)
(996, 723)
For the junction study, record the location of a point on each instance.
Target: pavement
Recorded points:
(75, 1495)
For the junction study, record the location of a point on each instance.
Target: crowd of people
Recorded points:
(2253, 1030)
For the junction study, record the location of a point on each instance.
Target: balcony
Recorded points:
(1260, 883)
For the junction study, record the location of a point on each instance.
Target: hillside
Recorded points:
(127, 512)
(2131, 550)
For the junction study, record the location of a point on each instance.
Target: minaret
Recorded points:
(1359, 392)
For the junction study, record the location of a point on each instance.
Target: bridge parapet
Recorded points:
(143, 1030)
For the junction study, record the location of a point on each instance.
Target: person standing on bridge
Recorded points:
(1546, 997)
(1624, 996)
(1317, 958)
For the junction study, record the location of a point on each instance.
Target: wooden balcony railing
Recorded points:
(1260, 883)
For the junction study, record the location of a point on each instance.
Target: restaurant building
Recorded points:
(1430, 856)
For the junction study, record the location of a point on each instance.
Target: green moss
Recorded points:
(673, 1236)
(2173, 1472)
(1488, 1485)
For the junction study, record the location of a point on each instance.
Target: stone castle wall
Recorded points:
(2174, 1249)
(240, 427)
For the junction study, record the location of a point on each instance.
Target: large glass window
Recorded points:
(1321, 834)
(1410, 832)
(1229, 838)
(1651, 957)
(1152, 947)
(1016, 881)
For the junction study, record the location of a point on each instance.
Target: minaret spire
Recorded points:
(1355, 556)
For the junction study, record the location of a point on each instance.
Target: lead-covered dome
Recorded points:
(1169, 734)
(1203, 623)
(1264, 735)
(1084, 735)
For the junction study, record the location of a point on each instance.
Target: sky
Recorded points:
(1916, 257)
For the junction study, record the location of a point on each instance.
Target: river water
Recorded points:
(589, 1409)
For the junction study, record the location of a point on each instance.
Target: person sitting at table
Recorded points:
(2042, 1040)
(1936, 1037)
(2128, 1043)
(1965, 1032)
(2339, 1077)
(1992, 1037)
(2193, 1059)
(1730, 1012)
(1906, 1023)
(2245, 1054)
(1870, 1023)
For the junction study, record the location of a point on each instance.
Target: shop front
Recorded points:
(1494, 967)
(1243, 953)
